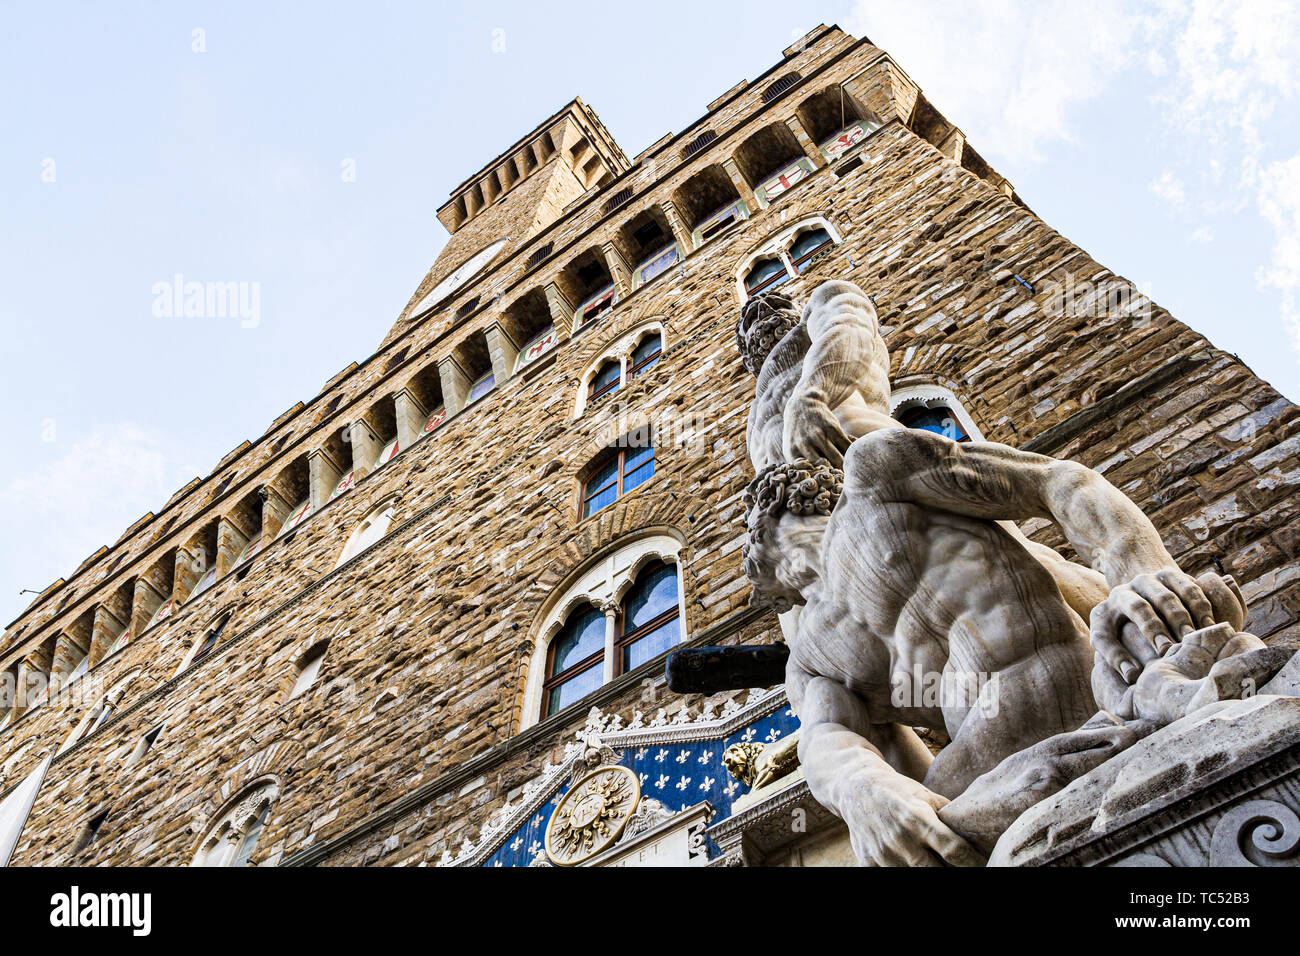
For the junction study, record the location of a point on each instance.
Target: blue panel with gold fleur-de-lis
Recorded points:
(678, 775)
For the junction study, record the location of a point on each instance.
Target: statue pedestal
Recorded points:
(1220, 787)
(781, 825)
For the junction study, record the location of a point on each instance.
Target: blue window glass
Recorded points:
(607, 380)
(766, 274)
(807, 245)
(652, 644)
(654, 593)
(582, 636)
(639, 466)
(650, 622)
(249, 842)
(939, 420)
(619, 473)
(576, 657)
(575, 688)
(647, 353)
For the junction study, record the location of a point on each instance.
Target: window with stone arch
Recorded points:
(99, 713)
(934, 409)
(372, 528)
(785, 255)
(617, 471)
(619, 612)
(634, 353)
(232, 839)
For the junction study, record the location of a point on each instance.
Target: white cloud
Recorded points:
(1008, 73)
(1170, 188)
(1279, 203)
(84, 494)
(1224, 73)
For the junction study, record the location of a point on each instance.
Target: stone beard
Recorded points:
(764, 321)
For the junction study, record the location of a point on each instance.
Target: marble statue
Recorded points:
(909, 598)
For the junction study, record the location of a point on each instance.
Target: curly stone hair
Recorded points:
(764, 321)
(798, 486)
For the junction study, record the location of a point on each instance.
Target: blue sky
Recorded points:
(1162, 137)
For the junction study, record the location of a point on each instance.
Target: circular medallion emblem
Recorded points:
(591, 816)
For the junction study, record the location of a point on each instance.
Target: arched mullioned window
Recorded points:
(99, 713)
(622, 610)
(633, 354)
(233, 838)
(577, 654)
(373, 527)
(934, 409)
(649, 620)
(787, 254)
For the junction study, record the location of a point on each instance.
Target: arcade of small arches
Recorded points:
(824, 127)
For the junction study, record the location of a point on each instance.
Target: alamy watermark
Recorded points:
(189, 299)
(1104, 298)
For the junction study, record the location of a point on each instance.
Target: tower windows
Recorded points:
(143, 747)
(373, 527)
(606, 380)
(766, 274)
(90, 831)
(788, 254)
(617, 472)
(647, 353)
(574, 667)
(206, 643)
(251, 834)
(635, 353)
(648, 621)
(629, 613)
(806, 246)
(233, 838)
(308, 669)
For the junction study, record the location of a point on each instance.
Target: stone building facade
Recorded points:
(340, 647)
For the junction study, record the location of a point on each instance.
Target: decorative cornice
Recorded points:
(475, 766)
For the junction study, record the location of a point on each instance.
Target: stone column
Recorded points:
(231, 540)
(411, 416)
(107, 629)
(742, 187)
(618, 269)
(323, 473)
(610, 610)
(678, 226)
(366, 446)
(275, 509)
(455, 384)
(810, 148)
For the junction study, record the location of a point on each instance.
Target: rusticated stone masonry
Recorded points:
(413, 733)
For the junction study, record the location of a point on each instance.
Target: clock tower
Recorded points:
(518, 194)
